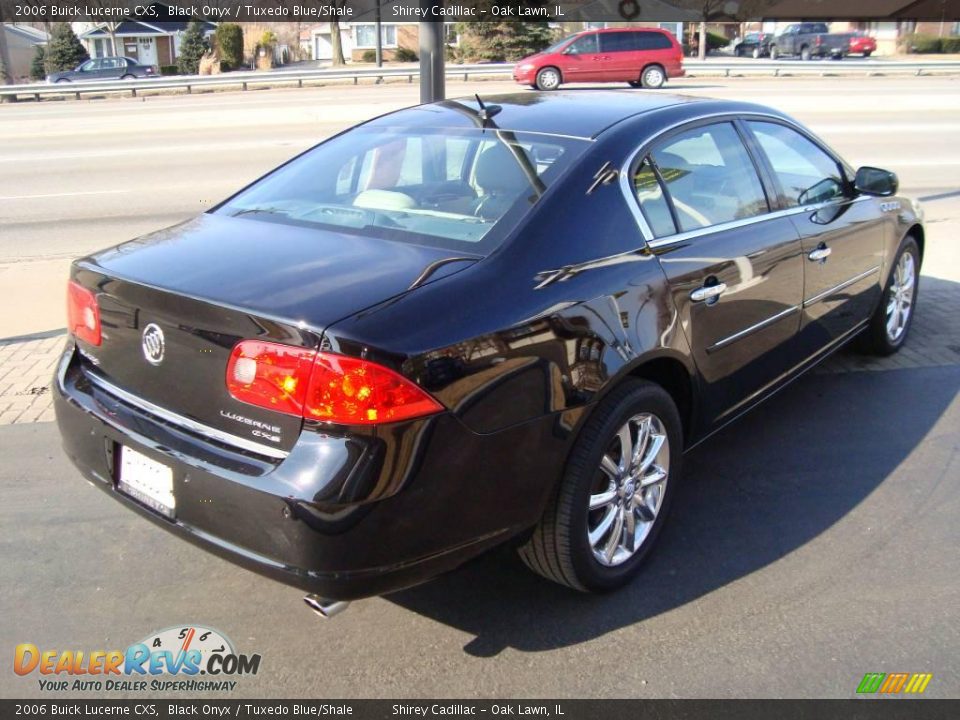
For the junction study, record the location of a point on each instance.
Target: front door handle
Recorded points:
(708, 292)
(821, 253)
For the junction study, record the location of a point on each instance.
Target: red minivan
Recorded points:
(643, 57)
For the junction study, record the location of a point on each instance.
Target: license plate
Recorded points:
(146, 480)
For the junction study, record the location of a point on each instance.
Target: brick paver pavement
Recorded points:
(26, 365)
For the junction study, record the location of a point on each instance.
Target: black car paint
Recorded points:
(518, 346)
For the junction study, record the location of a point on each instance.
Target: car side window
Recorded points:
(89, 66)
(710, 177)
(806, 173)
(584, 45)
(616, 42)
(653, 203)
(651, 41)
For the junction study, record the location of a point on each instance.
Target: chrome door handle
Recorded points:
(820, 254)
(707, 292)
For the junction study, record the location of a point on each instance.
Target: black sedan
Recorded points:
(103, 69)
(473, 322)
(754, 44)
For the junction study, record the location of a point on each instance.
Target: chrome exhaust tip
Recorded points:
(325, 608)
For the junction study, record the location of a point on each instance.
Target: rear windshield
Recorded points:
(456, 189)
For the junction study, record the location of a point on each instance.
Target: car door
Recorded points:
(842, 234)
(88, 71)
(581, 60)
(785, 43)
(619, 57)
(110, 69)
(734, 268)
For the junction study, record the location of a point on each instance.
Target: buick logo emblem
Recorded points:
(153, 344)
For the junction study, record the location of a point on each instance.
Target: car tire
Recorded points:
(886, 334)
(774, 53)
(739, 51)
(590, 550)
(63, 80)
(653, 77)
(635, 84)
(129, 77)
(867, 53)
(548, 78)
(805, 54)
(756, 53)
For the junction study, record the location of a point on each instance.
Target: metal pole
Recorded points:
(432, 86)
(379, 38)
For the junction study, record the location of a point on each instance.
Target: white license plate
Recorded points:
(146, 480)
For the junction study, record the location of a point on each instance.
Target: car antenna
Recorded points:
(487, 112)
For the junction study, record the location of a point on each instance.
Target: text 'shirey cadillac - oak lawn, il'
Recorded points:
(472, 322)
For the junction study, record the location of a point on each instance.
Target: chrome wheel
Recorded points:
(900, 302)
(629, 490)
(548, 79)
(653, 77)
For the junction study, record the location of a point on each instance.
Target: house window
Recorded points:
(98, 51)
(450, 35)
(956, 28)
(366, 35)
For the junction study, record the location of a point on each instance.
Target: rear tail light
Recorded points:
(323, 386)
(83, 314)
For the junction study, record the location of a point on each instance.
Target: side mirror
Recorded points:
(874, 181)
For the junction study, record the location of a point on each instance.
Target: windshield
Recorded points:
(447, 188)
(558, 44)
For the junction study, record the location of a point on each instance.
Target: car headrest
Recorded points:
(497, 171)
(383, 200)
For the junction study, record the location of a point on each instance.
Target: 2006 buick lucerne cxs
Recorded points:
(471, 322)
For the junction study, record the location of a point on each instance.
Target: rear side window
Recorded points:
(710, 177)
(806, 173)
(618, 42)
(652, 41)
(653, 203)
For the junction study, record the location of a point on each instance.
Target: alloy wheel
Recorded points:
(548, 79)
(653, 77)
(629, 490)
(900, 301)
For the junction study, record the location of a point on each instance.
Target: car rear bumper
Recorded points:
(341, 516)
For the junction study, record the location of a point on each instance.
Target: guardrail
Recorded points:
(285, 77)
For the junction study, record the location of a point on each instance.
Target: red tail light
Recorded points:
(323, 386)
(83, 314)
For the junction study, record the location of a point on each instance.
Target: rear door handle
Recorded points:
(708, 292)
(820, 254)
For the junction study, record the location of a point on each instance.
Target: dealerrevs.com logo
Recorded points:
(173, 659)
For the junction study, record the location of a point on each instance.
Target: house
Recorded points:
(357, 38)
(153, 43)
(22, 41)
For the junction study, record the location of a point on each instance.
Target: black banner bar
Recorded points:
(858, 709)
(477, 10)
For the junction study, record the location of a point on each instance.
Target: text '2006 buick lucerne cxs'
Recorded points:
(472, 322)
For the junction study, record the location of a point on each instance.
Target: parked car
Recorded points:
(862, 44)
(809, 40)
(641, 57)
(754, 44)
(473, 322)
(106, 68)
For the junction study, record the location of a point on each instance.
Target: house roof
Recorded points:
(139, 28)
(27, 32)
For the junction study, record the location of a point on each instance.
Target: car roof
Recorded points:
(574, 113)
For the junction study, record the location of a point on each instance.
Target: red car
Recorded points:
(642, 57)
(861, 44)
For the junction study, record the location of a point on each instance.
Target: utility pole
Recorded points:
(379, 44)
(432, 85)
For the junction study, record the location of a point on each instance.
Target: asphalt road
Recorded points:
(79, 176)
(812, 542)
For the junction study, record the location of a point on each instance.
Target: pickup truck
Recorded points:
(809, 40)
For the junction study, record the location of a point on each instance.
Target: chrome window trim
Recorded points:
(633, 203)
(836, 288)
(720, 344)
(184, 422)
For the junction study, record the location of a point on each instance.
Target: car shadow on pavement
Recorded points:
(755, 492)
